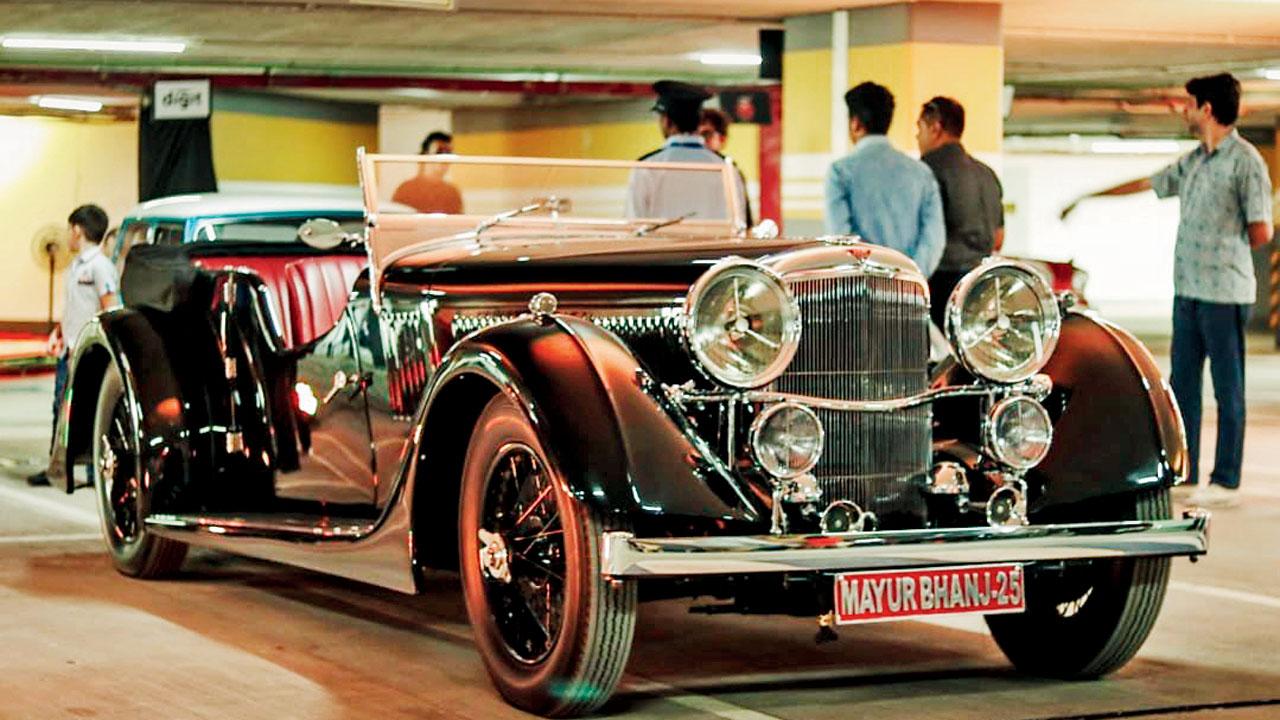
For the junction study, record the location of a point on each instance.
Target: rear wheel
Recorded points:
(553, 634)
(1090, 618)
(123, 501)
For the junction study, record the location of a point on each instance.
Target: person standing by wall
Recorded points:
(668, 194)
(972, 205)
(878, 192)
(1225, 210)
(90, 285)
(714, 130)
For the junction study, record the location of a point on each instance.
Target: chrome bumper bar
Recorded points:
(626, 556)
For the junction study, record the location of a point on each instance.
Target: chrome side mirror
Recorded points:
(322, 233)
(766, 229)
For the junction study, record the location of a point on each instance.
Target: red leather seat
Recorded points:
(317, 289)
(271, 269)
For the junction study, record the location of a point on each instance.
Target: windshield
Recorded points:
(420, 198)
(271, 230)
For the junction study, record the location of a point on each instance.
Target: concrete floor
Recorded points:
(235, 638)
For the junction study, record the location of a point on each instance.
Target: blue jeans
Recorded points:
(1216, 331)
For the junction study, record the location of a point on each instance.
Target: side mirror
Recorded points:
(765, 230)
(322, 233)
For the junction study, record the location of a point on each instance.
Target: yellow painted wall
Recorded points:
(806, 101)
(48, 166)
(915, 72)
(248, 146)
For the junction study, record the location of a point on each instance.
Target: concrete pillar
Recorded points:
(917, 50)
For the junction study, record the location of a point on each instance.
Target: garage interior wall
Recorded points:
(613, 130)
(50, 166)
(259, 137)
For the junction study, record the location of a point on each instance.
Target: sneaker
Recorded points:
(1212, 495)
(40, 479)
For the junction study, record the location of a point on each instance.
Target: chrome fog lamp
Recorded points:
(786, 440)
(1003, 321)
(742, 324)
(1019, 432)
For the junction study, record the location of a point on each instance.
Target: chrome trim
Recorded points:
(273, 526)
(757, 426)
(791, 328)
(625, 556)
(1016, 505)
(542, 306)
(948, 478)
(955, 305)
(1034, 387)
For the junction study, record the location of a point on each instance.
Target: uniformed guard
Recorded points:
(669, 194)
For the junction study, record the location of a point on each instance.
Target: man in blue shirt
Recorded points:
(879, 193)
(1225, 211)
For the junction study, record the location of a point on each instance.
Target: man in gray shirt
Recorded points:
(1225, 211)
(90, 284)
(972, 205)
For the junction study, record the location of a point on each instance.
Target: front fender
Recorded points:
(609, 433)
(1117, 427)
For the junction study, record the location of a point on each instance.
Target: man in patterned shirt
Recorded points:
(1226, 210)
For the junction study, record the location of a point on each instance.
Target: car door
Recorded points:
(335, 463)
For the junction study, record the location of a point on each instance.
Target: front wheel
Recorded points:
(1089, 618)
(553, 633)
(123, 500)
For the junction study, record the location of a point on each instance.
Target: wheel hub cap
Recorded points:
(493, 556)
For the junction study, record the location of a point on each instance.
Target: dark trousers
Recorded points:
(1214, 331)
(941, 283)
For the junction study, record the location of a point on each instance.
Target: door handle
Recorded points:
(355, 382)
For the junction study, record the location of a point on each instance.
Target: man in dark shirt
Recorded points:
(971, 199)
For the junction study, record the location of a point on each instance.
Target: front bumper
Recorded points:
(626, 556)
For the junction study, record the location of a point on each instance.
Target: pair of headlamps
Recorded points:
(1003, 322)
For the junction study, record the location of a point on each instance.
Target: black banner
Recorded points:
(174, 157)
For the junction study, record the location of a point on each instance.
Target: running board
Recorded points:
(293, 528)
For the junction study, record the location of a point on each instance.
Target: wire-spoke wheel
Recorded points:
(553, 633)
(1088, 618)
(122, 498)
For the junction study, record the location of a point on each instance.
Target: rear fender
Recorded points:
(128, 341)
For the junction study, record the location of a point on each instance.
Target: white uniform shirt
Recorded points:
(666, 194)
(90, 276)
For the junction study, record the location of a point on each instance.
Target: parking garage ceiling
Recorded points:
(1116, 54)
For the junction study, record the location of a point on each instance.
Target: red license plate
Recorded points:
(899, 594)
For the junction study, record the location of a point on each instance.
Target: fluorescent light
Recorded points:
(1271, 73)
(729, 58)
(91, 44)
(66, 103)
(1135, 147)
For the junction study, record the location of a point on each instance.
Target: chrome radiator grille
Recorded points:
(866, 338)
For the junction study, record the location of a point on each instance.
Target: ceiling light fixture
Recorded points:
(65, 103)
(1271, 73)
(91, 44)
(730, 58)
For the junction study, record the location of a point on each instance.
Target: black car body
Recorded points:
(579, 413)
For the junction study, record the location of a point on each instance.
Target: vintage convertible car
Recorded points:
(578, 410)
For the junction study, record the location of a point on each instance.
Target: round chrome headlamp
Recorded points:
(787, 439)
(1003, 322)
(1019, 432)
(742, 324)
